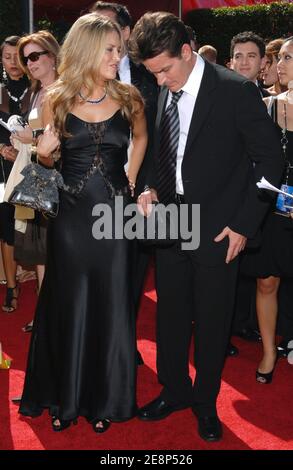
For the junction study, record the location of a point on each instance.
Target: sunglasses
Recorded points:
(33, 56)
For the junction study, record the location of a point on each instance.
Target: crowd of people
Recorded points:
(147, 116)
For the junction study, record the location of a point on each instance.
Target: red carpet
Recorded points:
(255, 416)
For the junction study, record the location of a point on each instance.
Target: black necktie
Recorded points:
(169, 134)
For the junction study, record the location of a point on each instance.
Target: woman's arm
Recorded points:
(139, 144)
(25, 136)
(48, 142)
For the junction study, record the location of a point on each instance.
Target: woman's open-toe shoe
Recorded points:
(266, 378)
(10, 303)
(61, 424)
(101, 425)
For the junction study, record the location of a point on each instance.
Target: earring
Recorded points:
(4, 74)
(54, 68)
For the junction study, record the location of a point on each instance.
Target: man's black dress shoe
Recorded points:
(139, 359)
(209, 428)
(158, 409)
(16, 400)
(232, 350)
(249, 335)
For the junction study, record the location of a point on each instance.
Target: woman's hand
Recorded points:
(9, 153)
(47, 143)
(25, 136)
(145, 200)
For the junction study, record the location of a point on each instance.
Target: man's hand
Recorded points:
(145, 200)
(237, 243)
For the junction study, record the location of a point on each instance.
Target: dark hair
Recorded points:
(123, 16)
(248, 36)
(155, 33)
(191, 33)
(10, 41)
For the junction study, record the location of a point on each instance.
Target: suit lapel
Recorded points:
(135, 74)
(161, 106)
(203, 104)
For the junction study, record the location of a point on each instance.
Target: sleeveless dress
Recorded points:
(274, 257)
(82, 358)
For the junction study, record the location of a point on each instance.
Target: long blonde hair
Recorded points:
(47, 42)
(79, 63)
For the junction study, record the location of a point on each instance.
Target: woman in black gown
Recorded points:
(82, 358)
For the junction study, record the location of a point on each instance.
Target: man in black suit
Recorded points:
(137, 75)
(247, 52)
(223, 128)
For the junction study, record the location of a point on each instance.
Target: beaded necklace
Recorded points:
(99, 100)
(16, 99)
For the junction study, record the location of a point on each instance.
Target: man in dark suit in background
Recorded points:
(137, 75)
(216, 124)
(247, 52)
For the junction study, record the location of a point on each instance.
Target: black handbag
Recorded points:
(39, 189)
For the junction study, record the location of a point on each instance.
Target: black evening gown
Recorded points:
(82, 355)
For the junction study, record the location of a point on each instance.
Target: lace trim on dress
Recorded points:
(97, 132)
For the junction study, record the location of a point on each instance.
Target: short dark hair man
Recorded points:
(223, 128)
(247, 52)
